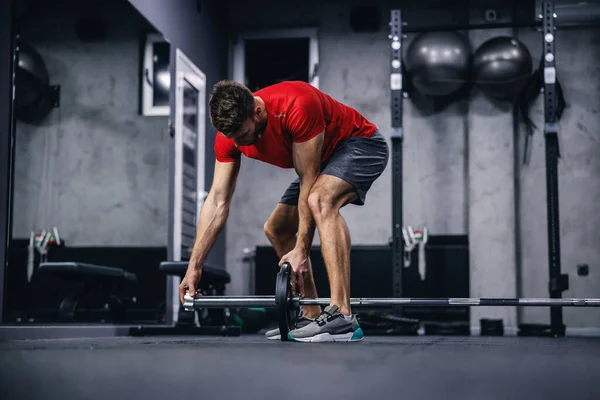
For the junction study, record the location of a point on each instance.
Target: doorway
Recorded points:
(265, 57)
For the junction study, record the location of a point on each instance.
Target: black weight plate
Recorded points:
(282, 298)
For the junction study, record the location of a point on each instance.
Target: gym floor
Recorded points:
(251, 367)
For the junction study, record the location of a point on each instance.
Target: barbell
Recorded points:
(286, 305)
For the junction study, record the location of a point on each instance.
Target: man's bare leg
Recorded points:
(328, 196)
(281, 229)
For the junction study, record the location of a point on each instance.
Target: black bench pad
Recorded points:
(77, 269)
(208, 271)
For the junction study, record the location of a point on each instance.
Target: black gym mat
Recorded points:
(250, 367)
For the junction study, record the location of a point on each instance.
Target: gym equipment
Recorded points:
(530, 92)
(107, 285)
(41, 242)
(32, 76)
(34, 96)
(412, 239)
(491, 327)
(287, 305)
(502, 66)
(438, 63)
(558, 282)
(212, 322)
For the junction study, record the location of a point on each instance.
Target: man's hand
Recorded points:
(189, 282)
(299, 261)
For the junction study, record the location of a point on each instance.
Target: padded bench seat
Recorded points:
(211, 321)
(77, 270)
(209, 272)
(103, 287)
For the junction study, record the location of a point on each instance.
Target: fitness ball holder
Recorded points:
(287, 306)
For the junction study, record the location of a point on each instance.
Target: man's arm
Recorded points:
(307, 162)
(214, 211)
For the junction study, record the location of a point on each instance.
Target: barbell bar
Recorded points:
(286, 304)
(269, 302)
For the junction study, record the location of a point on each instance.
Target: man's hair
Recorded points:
(230, 103)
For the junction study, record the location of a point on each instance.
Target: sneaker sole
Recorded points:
(355, 336)
(275, 337)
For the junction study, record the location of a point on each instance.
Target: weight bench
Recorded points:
(211, 322)
(103, 286)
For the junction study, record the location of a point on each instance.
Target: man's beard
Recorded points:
(260, 129)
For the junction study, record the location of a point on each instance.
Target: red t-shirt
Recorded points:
(297, 111)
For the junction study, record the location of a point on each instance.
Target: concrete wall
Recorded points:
(491, 196)
(463, 164)
(94, 167)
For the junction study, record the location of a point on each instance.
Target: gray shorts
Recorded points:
(357, 160)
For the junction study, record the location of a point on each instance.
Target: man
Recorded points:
(337, 154)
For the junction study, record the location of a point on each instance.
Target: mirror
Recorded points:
(91, 177)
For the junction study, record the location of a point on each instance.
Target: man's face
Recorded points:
(249, 132)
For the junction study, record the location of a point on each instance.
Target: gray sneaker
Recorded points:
(274, 334)
(330, 326)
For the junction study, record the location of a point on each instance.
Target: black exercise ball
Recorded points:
(34, 97)
(438, 63)
(502, 67)
(32, 76)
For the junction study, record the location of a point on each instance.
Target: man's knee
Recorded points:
(279, 227)
(329, 194)
(321, 203)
